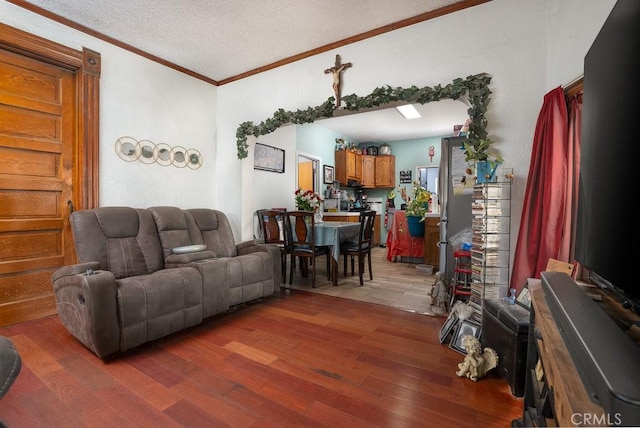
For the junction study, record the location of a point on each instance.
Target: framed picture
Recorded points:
(405, 176)
(329, 176)
(448, 326)
(524, 298)
(465, 328)
(268, 158)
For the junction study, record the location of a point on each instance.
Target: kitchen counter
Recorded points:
(341, 214)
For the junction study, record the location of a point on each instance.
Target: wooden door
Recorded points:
(37, 133)
(48, 164)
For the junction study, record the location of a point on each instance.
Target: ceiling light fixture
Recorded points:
(408, 111)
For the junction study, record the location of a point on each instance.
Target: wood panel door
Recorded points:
(37, 135)
(48, 164)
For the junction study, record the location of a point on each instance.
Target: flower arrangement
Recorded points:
(307, 200)
(418, 205)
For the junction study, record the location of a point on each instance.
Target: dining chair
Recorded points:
(303, 244)
(275, 229)
(362, 248)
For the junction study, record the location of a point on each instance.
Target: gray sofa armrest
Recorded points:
(251, 246)
(75, 269)
(87, 306)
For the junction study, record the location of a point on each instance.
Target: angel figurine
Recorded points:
(477, 362)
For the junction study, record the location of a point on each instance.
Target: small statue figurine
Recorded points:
(438, 293)
(477, 362)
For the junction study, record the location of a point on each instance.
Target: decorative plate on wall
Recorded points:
(179, 156)
(163, 154)
(146, 151)
(194, 159)
(127, 149)
(130, 149)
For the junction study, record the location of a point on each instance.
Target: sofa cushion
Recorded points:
(250, 277)
(123, 240)
(158, 304)
(215, 231)
(175, 228)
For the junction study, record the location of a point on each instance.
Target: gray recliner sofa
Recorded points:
(146, 273)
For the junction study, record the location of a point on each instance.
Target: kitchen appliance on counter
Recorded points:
(360, 203)
(375, 204)
(331, 204)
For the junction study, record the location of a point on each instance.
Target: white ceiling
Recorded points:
(386, 125)
(221, 39)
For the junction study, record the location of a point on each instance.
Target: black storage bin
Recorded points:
(505, 328)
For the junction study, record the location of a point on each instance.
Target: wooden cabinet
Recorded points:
(368, 171)
(348, 166)
(378, 171)
(431, 242)
(554, 393)
(385, 171)
(355, 219)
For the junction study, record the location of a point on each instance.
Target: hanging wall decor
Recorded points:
(129, 149)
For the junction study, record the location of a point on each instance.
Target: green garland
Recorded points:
(477, 88)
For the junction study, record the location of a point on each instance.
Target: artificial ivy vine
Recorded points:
(476, 87)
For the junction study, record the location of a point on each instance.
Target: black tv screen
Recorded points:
(607, 236)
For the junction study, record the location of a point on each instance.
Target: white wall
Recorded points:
(529, 47)
(143, 100)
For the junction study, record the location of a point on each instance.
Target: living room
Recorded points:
(528, 48)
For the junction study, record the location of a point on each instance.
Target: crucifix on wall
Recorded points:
(336, 70)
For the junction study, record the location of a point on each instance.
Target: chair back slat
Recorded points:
(272, 226)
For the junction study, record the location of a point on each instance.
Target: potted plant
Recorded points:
(484, 161)
(417, 208)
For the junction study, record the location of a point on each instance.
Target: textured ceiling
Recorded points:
(223, 39)
(220, 39)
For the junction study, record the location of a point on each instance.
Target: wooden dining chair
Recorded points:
(275, 229)
(362, 248)
(303, 244)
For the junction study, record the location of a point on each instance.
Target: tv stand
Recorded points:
(566, 386)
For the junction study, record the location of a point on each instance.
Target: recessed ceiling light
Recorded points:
(408, 111)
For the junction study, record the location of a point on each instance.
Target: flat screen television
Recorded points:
(607, 233)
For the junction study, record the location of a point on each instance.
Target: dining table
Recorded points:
(332, 234)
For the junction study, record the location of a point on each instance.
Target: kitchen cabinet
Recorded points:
(348, 166)
(369, 171)
(378, 171)
(385, 171)
(431, 241)
(355, 218)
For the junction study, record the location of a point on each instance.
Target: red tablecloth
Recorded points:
(400, 242)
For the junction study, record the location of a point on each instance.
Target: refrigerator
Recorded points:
(455, 193)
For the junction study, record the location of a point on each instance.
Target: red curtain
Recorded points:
(547, 214)
(567, 245)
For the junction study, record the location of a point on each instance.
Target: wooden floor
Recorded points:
(394, 284)
(297, 359)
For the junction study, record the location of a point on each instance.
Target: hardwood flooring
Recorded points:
(394, 284)
(296, 359)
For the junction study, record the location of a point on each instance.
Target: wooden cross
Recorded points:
(336, 70)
